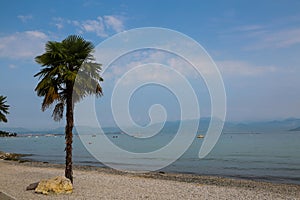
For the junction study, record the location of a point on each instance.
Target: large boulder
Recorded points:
(56, 185)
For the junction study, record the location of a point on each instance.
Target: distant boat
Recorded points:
(200, 136)
(137, 135)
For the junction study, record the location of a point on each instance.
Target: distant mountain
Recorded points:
(262, 126)
(295, 129)
(15, 130)
(82, 129)
(291, 124)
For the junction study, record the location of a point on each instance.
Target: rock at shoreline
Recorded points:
(32, 186)
(56, 185)
(9, 156)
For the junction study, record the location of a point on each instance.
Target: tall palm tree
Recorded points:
(62, 63)
(3, 109)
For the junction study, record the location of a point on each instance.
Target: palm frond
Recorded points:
(3, 118)
(61, 64)
(58, 111)
(3, 109)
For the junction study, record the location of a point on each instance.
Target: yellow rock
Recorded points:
(56, 185)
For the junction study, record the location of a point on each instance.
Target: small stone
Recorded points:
(32, 186)
(56, 185)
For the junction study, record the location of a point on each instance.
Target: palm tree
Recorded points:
(62, 63)
(3, 109)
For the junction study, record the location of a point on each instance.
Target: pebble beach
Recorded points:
(103, 183)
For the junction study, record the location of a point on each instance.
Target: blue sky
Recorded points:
(255, 45)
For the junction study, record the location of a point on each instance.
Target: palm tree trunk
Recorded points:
(69, 135)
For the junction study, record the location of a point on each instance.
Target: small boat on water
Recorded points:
(200, 136)
(137, 135)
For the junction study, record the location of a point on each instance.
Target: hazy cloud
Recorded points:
(12, 66)
(135, 59)
(102, 26)
(25, 18)
(242, 68)
(274, 35)
(58, 22)
(263, 37)
(252, 27)
(97, 26)
(282, 38)
(114, 23)
(22, 45)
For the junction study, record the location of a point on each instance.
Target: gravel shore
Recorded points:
(102, 183)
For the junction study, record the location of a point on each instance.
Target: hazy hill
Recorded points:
(264, 126)
(15, 130)
(291, 124)
(295, 129)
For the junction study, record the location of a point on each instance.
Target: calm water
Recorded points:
(271, 157)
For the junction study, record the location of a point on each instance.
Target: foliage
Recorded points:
(3, 109)
(64, 64)
(7, 134)
(61, 63)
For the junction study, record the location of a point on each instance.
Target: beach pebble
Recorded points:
(32, 186)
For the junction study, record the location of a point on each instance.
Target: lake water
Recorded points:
(270, 156)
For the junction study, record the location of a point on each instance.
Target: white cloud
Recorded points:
(36, 34)
(149, 73)
(227, 68)
(12, 66)
(22, 45)
(96, 26)
(230, 69)
(270, 36)
(102, 26)
(263, 37)
(144, 57)
(58, 22)
(282, 38)
(25, 18)
(114, 23)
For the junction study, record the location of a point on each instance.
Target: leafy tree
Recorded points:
(62, 63)
(3, 109)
